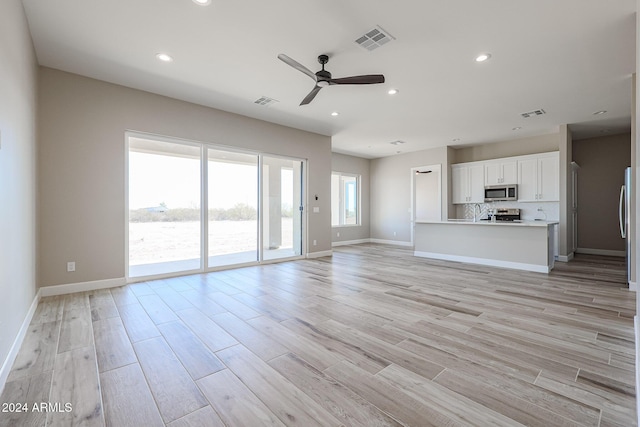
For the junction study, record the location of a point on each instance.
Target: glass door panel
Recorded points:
(233, 208)
(164, 207)
(281, 214)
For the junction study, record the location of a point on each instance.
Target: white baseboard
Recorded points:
(566, 258)
(319, 254)
(48, 291)
(604, 252)
(391, 242)
(350, 242)
(484, 261)
(17, 343)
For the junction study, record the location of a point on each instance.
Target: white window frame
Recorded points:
(341, 200)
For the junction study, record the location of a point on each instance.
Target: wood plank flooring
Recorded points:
(369, 337)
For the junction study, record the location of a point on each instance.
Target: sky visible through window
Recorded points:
(175, 181)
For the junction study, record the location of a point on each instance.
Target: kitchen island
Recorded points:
(523, 245)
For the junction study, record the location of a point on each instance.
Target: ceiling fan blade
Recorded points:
(358, 80)
(307, 99)
(298, 66)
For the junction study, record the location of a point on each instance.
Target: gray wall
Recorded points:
(602, 163)
(514, 147)
(18, 87)
(81, 158)
(391, 192)
(354, 165)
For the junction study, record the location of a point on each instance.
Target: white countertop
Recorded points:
(523, 223)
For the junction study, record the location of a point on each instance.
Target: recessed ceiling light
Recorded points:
(483, 57)
(597, 113)
(164, 57)
(516, 128)
(392, 91)
(202, 2)
(335, 113)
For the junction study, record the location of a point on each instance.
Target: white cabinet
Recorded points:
(468, 183)
(539, 178)
(502, 172)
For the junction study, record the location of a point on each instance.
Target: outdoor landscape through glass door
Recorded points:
(233, 208)
(187, 214)
(164, 207)
(282, 216)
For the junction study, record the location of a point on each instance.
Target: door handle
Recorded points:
(621, 220)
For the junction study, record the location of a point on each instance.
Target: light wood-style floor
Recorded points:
(371, 337)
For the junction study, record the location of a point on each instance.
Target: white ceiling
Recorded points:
(568, 57)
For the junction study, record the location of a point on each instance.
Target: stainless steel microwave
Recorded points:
(499, 193)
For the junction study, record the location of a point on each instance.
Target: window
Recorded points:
(345, 206)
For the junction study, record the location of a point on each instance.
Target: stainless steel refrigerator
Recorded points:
(624, 217)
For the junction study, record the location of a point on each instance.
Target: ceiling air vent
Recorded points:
(398, 142)
(265, 100)
(375, 38)
(533, 113)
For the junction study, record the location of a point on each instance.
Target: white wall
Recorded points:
(81, 158)
(18, 86)
(359, 166)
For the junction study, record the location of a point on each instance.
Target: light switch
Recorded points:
(316, 209)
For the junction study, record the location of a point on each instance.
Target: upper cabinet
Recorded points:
(501, 172)
(539, 178)
(468, 183)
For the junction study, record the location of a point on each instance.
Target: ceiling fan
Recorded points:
(323, 77)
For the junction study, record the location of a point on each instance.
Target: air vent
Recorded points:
(265, 100)
(398, 142)
(533, 113)
(375, 38)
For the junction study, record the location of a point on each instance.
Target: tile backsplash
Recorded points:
(528, 211)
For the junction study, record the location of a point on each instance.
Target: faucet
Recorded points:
(476, 205)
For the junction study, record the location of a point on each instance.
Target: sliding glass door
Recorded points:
(282, 201)
(233, 208)
(194, 207)
(164, 207)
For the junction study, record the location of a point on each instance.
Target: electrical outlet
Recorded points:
(315, 242)
(71, 266)
(338, 234)
(394, 234)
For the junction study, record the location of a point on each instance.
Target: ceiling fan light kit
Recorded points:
(323, 77)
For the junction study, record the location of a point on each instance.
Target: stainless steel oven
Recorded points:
(500, 193)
